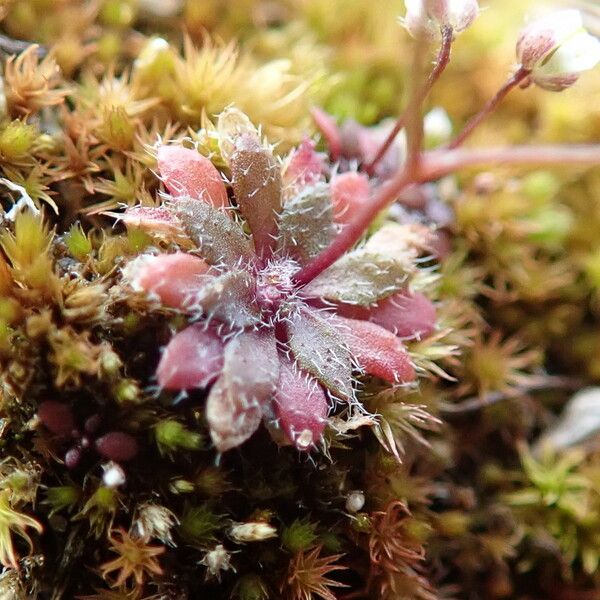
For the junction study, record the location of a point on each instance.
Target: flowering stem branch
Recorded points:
(433, 165)
(442, 60)
(356, 228)
(439, 163)
(542, 383)
(518, 78)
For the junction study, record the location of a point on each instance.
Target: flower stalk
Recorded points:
(441, 62)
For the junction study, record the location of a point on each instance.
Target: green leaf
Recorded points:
(320, 350)
(360, 277)
(306, 223)
(220, 239)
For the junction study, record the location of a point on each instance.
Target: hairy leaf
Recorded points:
(378, 351)
(320, 350)
(359, 277)
(172, 278)
(300, 405)
(155, 220)
(192, 359)
(256, 180)
(305, 225)
(306, 166)
(403, 243)
(406, 314)
(236, 402)
(187, 173)
(349, 191)
(219, 238)
(229, 298)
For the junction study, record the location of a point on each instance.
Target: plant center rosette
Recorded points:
(269, 344)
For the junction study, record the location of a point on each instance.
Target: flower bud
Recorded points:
(254, 531)
(429, 16)
(556, 49)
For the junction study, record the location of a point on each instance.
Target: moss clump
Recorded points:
(420, 475)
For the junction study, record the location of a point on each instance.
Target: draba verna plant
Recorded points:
(263, 338)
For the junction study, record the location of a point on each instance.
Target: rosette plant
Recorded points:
(274, 337)
(287, 310)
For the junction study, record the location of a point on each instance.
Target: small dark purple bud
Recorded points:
(56, 417)
(73, 457)
(92, 424)
(117, 446)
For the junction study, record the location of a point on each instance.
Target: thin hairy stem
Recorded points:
(519, 77)
(442, 60)
(10, 45)
(439, 163)
(434, 165)
(356, 228)
(476, 403)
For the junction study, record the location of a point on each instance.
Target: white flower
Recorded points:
(430, 16)
(557, 49)
(437, 127)
(114, 475)
(216, 560)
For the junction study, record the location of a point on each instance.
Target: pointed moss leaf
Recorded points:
(256, 180)
(320, 350)
(237, 401)
(219, 238)
(228, 298)
(360, 277)
(306, 223)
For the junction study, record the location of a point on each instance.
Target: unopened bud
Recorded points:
(429, 16)
(355, 501)
(256, 531)
(114, 475)
(556, 49)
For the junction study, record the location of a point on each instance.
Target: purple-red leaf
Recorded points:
(237, 400)
(320, 349)
(192, 359)
(187, 173)
(330, 131)
(172, 278)
(378, 351)
(300, 405)
(117, 446)
(220, 239)
(256, 180)
(56, 417)
(306, 166)
(407, 314)
(349, 191)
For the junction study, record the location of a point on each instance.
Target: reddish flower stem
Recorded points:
(442, 60)
(356, 228)
(436, 164)
(518, 78)
(439, 163)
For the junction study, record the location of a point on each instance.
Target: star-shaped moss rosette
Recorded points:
(271, 343)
